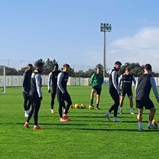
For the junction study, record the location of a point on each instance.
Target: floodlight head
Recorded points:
(105, 27)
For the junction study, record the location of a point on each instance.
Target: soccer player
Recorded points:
(62, 93)
(96, 81)
(52, 80)
(114, 91)
(125, 81)
(35, 95)
(26, 88)
(143, 88)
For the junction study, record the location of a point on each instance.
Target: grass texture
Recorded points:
(89, 135)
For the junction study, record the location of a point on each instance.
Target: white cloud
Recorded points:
(143, 47)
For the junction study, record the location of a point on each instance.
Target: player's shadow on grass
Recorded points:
(117, 129)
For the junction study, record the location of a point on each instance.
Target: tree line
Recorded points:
(136, 69)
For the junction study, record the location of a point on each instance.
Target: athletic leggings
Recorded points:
(61, 100)
(27, 101)
(53, 94)
(36, 102)
(115, 96)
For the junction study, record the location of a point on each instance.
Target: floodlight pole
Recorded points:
(105, 27)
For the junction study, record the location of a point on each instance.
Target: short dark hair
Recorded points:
(127, 69)
(39, 64)
(118, 63)
(66, 65)
(98, 66)
(56, 64)
(30, 65)
(148, 67)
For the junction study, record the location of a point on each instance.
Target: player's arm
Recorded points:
(59, 81)
(49, 81)
(24, 82)
(154, 88)
(114, 80)
(120, 80)
(102, 79)
(38, 84)
(133, 79)
(92, 78)
(136, 87)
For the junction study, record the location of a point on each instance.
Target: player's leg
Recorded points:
(152, 109)
(107, 114)
(36, 111)
(53, 94)
(97, 101)
(61, 103)
(98, 91)
(139, 118)
(116, 105)
(130, 96)
(25, 96)
(152, 113)
(139, 106)
(121, 103)
(69, 103)
(115, 97)
(131, 104)
(92, 96)
(26, 125)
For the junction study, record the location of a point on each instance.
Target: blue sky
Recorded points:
(69, 31)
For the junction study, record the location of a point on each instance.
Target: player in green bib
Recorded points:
(96, 82)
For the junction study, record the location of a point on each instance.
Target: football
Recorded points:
(154, 122)
(83, 106)
(77, 106)
(91, 107)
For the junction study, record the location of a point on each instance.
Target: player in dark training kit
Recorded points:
(114, 91)
(96, 81)
(125, 81)
(62, 93)
(143, 88)
(35, 95)
(52, 80)
(26, 88)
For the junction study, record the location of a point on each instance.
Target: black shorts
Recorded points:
(98, 90)
(126, 91)
(148, 104)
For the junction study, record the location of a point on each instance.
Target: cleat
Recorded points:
(152, 126)
(121, 112)
(66, 117)
(63, 120)
(107, 115)
(37, 127)
(116, 119)
(52, 111)
(97, 108)
(26, 125)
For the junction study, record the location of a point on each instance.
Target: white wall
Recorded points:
(17, 81)
(76, 81)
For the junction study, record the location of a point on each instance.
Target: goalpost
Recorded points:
(3, 79)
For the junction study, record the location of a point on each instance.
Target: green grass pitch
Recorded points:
(87, 136)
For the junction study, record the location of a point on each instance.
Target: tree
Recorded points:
(48, 66)
(136, 69)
